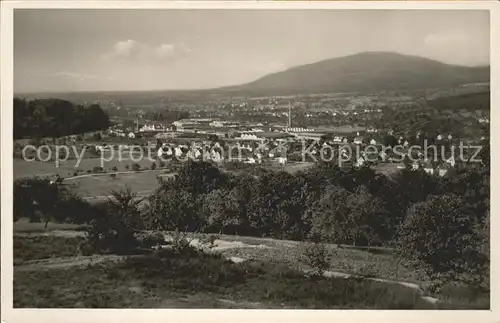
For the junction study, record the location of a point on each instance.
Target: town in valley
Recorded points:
(360, 180)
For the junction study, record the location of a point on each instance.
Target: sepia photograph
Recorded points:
(230, 158)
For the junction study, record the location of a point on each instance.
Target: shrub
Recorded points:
(440, 234)
(315, 255)
(149, 240)
(89, 171)
(181, 243)
(114, 168)
(114, 224)
(209, 239)
(367, 270)
(93, 151)
(97, 169)
(355, 218)
(127, 167)
(38, 199)
(136, 167)
(73, 209)
(161, 164)
(112, 175)
(153, 166)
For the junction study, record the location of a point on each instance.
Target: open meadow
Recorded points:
(23, 168)
(234, 272)
(83, 179)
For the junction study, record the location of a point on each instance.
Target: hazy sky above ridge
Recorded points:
(58, 50)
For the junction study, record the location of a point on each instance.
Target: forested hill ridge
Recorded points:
(364, 72)
(54, 118)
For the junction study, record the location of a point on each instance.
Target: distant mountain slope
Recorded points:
(364, 72)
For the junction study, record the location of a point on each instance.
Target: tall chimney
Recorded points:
(289, 114)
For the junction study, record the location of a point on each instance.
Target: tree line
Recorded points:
(42, 118)
(440, 222)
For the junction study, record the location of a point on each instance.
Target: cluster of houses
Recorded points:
(121, 133)
(256, 143)
(153, 128)
(247, 153)
(202, 124)
(421, 163)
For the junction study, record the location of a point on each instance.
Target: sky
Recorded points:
(60, 50)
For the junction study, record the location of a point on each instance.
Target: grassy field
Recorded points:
(24, 226)
(270, 277)
(90, 184)
(340, 260)
(142, 183)
(24, 168)
(202, 281)
(28, 248)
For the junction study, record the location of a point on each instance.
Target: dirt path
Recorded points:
(118, 173)
(219, 246)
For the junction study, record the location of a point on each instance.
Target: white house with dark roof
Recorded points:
(358, 140)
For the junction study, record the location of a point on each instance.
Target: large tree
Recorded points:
(354, 218)
(223, 210)
(440, 233)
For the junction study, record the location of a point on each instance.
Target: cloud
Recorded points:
(444, 40)
(457, 48)
(72, 76)
(133, 51)
(165, 50)
(124, 48)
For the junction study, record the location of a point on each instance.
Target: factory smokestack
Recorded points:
(289, 114)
